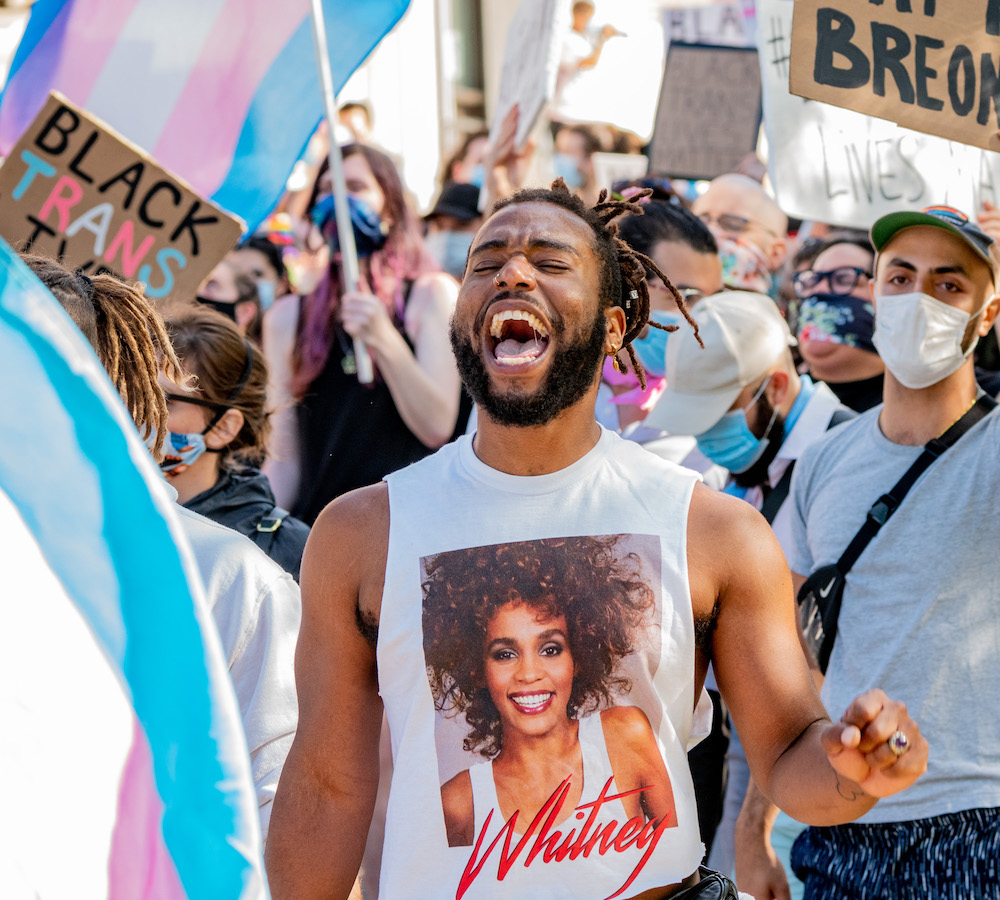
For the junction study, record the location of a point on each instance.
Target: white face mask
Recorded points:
(920, 338)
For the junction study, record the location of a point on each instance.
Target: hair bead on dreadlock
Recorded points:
(624, 271)
(87, 286)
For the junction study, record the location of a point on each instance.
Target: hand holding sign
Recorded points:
(506, 165)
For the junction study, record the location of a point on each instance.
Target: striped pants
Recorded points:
(950, 857)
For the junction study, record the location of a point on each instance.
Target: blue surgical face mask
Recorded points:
(181, 450)
(369, 229)
(265, 291)
(730, 443)
(450, 249)
(567, 168)
(477, 175)
(652, 349)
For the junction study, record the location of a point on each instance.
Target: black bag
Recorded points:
(713, 886)
(821, 595)
(819, 606)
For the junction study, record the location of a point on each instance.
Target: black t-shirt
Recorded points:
(350, 434)
(859, 395)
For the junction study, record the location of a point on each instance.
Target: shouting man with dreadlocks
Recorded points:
(535, 608)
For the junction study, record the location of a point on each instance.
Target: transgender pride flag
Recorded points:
(126, 770)
(223, 93)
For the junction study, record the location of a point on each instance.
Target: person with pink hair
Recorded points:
(332, 433)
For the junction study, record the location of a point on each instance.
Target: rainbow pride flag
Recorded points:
(223, 93)
(127, 770)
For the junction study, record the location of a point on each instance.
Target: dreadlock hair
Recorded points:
(670, 222)
(127, 334)
(622, 269)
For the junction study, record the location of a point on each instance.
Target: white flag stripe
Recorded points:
(170, 47)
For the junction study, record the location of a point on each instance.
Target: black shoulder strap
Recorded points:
(840, 416)
(774, 499)
(776, 496)
(888, 503)
(267, 528)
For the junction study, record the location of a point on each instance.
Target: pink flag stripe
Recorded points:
(150, 64)
(82, 23)
(28, 88)
(88, 27)
(140, 864)
(245, 40)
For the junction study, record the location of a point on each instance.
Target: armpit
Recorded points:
(704, 626)
(367, 625)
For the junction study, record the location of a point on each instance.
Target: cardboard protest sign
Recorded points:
(74, 189)
(834, 165)
(709, 112)
(530, 63)
(930, 66)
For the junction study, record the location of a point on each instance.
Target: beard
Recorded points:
(572, 372)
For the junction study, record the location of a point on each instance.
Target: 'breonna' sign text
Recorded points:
(930, 66)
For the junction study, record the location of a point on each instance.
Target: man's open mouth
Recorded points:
(518, 337)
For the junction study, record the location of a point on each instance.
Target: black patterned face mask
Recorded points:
(839, 319)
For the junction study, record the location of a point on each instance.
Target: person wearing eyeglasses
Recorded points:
(836, 321)
(750, 229)
(919, 610)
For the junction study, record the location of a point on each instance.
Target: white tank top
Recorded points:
(607, 539)
(597, 774)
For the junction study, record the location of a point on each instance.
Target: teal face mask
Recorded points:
(567, 169)
(730, 443)
(265, 291)
(652, 349)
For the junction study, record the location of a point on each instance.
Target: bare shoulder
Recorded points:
(738, 571)
(459, 811)
(432, 298)
(282, 318)
(347, 549)
(435, 285)
(625, 725)
(727, 540)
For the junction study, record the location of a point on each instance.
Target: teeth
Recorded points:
(496, 323)
(532, 700)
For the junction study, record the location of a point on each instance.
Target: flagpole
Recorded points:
(348, 251)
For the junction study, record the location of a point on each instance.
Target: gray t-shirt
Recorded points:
(921, 611)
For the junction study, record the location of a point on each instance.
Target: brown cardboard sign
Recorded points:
(929, 65)
(74, 189)
(709, 111)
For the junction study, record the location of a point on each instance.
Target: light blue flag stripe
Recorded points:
(74, 466)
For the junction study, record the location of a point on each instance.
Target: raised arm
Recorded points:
(424, 383)
(327, 790)
(821, 773)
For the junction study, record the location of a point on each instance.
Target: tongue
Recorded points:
(510, 348)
